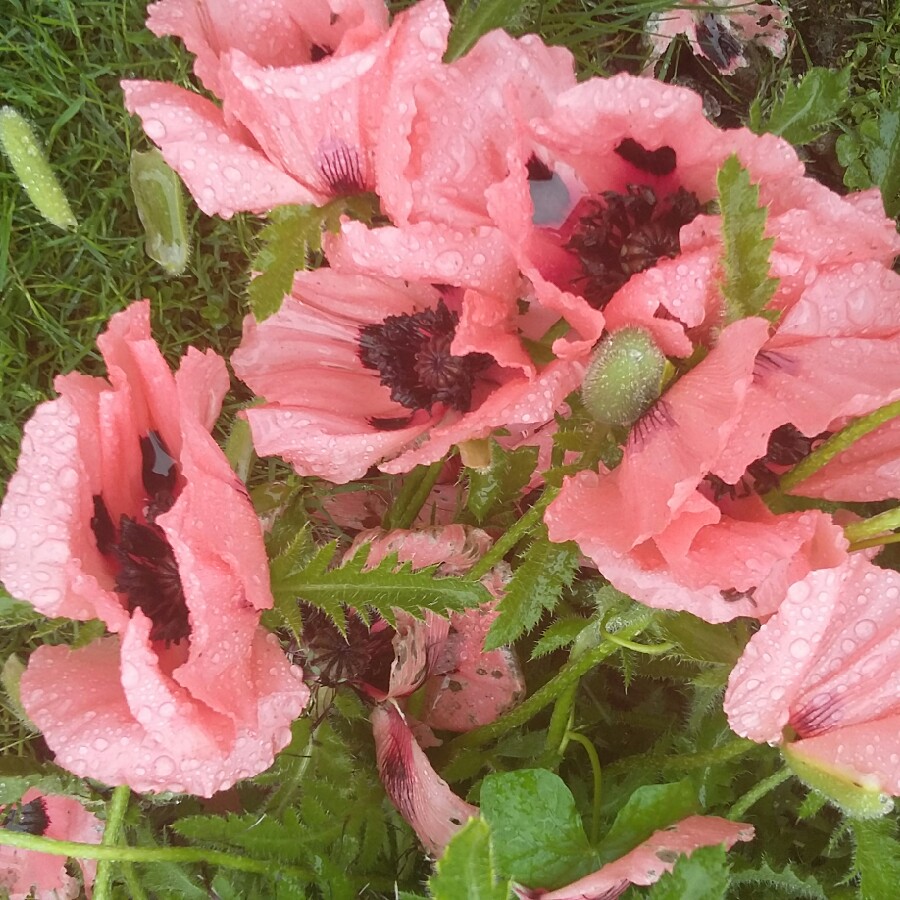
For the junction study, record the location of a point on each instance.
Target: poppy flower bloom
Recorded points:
(822, 676)
(110, 516)
(649, 861)
(305, 93)
(399, 390)
(719, 31)
(30, 874)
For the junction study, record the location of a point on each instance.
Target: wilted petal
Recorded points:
(420, 795)
(649, 861)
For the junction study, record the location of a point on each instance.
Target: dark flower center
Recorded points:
(618, 235)
(145, 566)
(359, 657)
(28, 818)
(655, 162)
(411, 353)
(341, 167)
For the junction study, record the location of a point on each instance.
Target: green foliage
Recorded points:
(785, 882)
(648, 809)
(807, 107)
(536, 586)
(559, 634)
(475, 18)
(536, 828)
(466, 868)
(701, 876)
(747, 285)
(385, 588)
(502, 481)
(870, 152)
(877, 858)
(160, 205)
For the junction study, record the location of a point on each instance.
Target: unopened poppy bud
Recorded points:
(29, 163)
(160, 205)
(854, 796)
(624, 377)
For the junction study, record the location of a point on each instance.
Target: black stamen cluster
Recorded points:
(411, 352)
(27, 818)
(622, 234)
(146, 570)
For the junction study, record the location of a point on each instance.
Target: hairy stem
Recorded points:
(112, 833)
(757, 793)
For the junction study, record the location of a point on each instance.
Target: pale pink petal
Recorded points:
(867, 470)
(222, 169)
(649, 861)
(469, 687)
(420, 795)
(28, 873)
(826, 660)
(868, 753)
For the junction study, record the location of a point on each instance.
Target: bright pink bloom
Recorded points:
(304, 132)
(420, 795)
(30, 874)
(827, 666)
(649, 861)
(124, 509)
(329, 409)
(719, 30)
(665, 536)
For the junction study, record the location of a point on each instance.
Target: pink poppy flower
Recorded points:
(271, 33)
(649, 861)
(420, 795)
(670, 536)
(41, 876)
(110, 516)
(301, 132)
(398, 391)
(719, 31)
(823, 675)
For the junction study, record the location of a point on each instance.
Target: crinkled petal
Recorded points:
(649, 861)
(420, 795)
(826, 660)
(223, 171)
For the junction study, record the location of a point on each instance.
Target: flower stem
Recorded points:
(876, 526)
(150, 855)
(409, 502)
(564, 680)
(115, 817)
(513, 536)
(591, 752)
(683, 762)
(757, 793)
(838, 443)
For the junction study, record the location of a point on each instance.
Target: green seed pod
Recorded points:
(30, 164)
(855, 798)
(160, 205)
(624, 377)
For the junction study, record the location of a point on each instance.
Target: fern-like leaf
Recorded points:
(785, 882)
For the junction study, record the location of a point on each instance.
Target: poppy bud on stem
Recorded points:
(624, 377)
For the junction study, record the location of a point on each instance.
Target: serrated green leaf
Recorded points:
(786, 881)
(747, 286)
(159, 199)
(877, 858)
(475, 18)
(502, 481)
(560, 634)
(807, 107)
(648, 809)
(536, 830)
(536, 586)
(386, 588)
(293, 233)
(701, 876)
(466, 868)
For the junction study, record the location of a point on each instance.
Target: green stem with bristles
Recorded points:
(757, 793)
(837, 443)
(115, 817)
